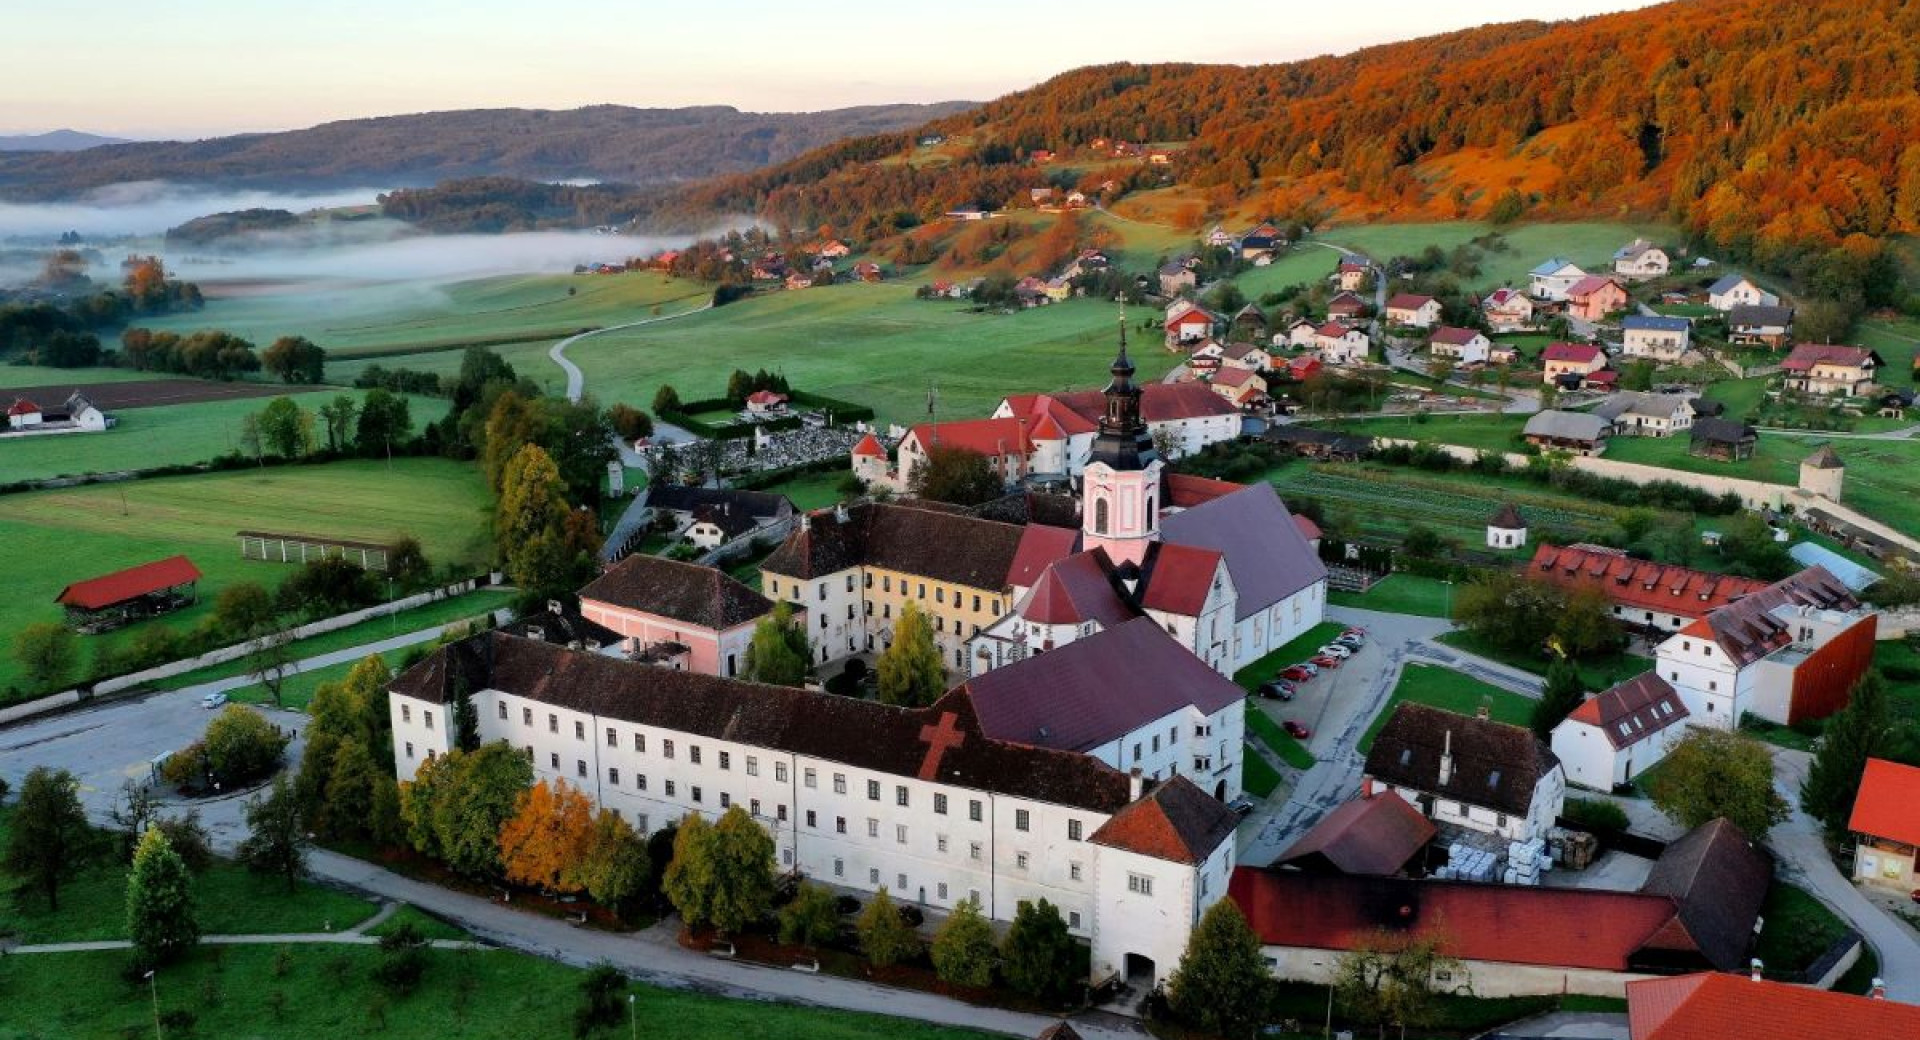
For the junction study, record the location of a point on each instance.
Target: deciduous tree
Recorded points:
(1038, 957)
(277, 839)
(1563, 692)
(161, 917)
(778, 653)
(910, 670)
(812, 918)
(47, 653)
(242, 745)
(615, 869)
(1222, 976)
(884, 937)
(963, 952)
(50, 838)
(295, 359)
(957, 475)
(1713, 773)
(286, 429)
(1389, 980)
(547, 837)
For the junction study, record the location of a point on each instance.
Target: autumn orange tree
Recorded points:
(549, 834)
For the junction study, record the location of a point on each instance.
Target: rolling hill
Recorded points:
(55, 141)
(605, 142)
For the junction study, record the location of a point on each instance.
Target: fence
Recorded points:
(226, 654)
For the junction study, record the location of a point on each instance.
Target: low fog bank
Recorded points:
(151, 207)
(430, 257)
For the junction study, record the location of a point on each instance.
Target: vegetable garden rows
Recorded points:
(1393, 501)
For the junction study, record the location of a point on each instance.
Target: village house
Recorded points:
(766, 403)
(1339, 344)
(1502, 353)
(1576, 359)
(1655, 337)
(1551, 280)
(1712, 1005)
(1737, 290)
(1205, 355)
(1249, 324)
(1004, 442)
(1576, 432)
(1298, 333)
(1621, 732)
(1347, 308)
(1468, 772)
(1507, 529)
(797, 281)
(1466, 346)
(1636, 414)
(1241, 387)
(1652, 597)
(76, 415)
(1725, 440)
(1183, 417)
(1176, 277)
(833, 249)
(1260, 242)
(1594, 297)
(855, 793)
(1762, 324)
(1886, 826)
(1249, 356)
(1302, 368)
(1825, 369)
(1640, 259)
(1507, 310)
(677, 615)
(1413, 310)
(1350, 275)
(1189, 322)
(738, 511)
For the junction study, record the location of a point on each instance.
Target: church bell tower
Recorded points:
(1121, 489)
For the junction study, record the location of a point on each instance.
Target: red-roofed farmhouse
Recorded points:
(1886, 823)
(123, 597)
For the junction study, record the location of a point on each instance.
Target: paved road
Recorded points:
(576, 381)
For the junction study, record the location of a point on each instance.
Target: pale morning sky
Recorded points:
(204, 67)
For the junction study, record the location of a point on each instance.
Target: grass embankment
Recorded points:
(166, 435)
(50, 539)
(1400, 594)
(1452, 691)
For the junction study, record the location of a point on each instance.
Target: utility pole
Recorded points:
(153, 988)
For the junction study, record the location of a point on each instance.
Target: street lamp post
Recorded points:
(1326, 1031)
(633, 1018)
(153, 989)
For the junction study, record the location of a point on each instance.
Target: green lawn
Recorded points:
(49, 539)
(13, 376)
(1379, 500)
(327, 991)
(1598, 673)
(232, 901)
(1452, 691)
(1291, 751)
(1795, 929)
(176, 434)
(1591, 245)
(428, 925)
(1400, 594)
(811, 490)
(414, 316)
(1256, 774)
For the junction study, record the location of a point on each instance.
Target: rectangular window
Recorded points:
(902, 879)
(786, 857)
(753, 766)
(839, 868)
(973, 809)
(812, 820)
(695, 790)
(940, 804)
(873, 790)
(1073, 871)
(886, 583)
(900, 834)
(940, 842)
(579, 730)
(753, 807)
(503, 711)
(873, 827)
(1073, 919)
(726, 800)
(1140, 884)
(613, 737)
(976, 602)
(940, 891)
(900, 794)
(553, 759)
(666, 748)
(939, 594)
(726, 760)
(580, 767)
(613, 776)
(873, 875)
(670, 786)
(973, 850)
(1073, 830)
(810, 779)
(693, 753)
(923, 590)
(640, 742)
(1021, 818)
(849, 583)
(839, 783)
(409, 749)
(553, 723)
(1020, 860)
(640, 781)
(780, 812)
(526, 716)
(406, 713)
(428, 716)
(780, 772)
(839, 825)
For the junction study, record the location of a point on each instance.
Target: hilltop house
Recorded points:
(1551, 280)
(1413, 310)
(1576, 432)
(1736, 290)
(1594, 297)
(1621, 732)
(1577, 359)
(1468, 772)
(1466, 346)
(1764, 324)
(1885, 826)
(1655, 338)
(1829, 370)
(1507, 310)
(1641, 259)
(1341, 345)
(1637, 414)
(682, 616)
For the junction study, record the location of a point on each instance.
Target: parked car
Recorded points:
(213, 700)
(1296, 730)
(1297, 673)
(1324, 661)
(1277, 689)
(1312, 669)
(1353, 643)
(1356, 630)
(1241, 805)
(1336, 650)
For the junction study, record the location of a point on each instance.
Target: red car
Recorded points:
(1355, 631)
(1325, 661)
(1296, 730)
(1296, 674)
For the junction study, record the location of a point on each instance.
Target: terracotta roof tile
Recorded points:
(870, 446)
(1177, 578)
(1712, 1006)
(1641, 706)
(1266, 554)
(120, 586)
(1177, 822)
(1040, 547)
(1641, 584)
(1580, 352)
(1075, 590)
(1888, 805)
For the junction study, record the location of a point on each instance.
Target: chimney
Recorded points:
(1366, 788)
(1754, 967)
(1446, 759)
(1879, 990)
(1135, 784)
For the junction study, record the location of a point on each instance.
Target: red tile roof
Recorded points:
(1581, 352)
(1515, 924)
(1807, 355)
(1331, 329)
(1040, 547)
(1373, 834)
(1888, 805)
(1192, 315)
(765, 397)
(1644, 705)
(1178, 578)
(1747, 630)
(1159, 402)
(120, 586)
(1500, 297)
(1048, 430)
(1346, 303)
(1075, 590)
(1640, 584)
(1235, 377)
(1605, 376)
(1455, 337)
(1408, 302)
(1184, 490)
(1308, 529)
(870, 446)
(1712, 1006)
(22, 406)
(1176, 822)
(1589, 285)
(989, 437)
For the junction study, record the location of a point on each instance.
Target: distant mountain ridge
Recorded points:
(602, 142)
(56, 141)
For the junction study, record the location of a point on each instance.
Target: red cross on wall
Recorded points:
(939, 738)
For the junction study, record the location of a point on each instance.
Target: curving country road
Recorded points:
(576, 380)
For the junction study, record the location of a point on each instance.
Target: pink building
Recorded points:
(678, 615)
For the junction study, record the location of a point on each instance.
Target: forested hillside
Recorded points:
(604, 142)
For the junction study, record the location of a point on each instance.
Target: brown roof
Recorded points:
(686, 592)
(940, 546)
(1712, 1006)
(1373, 834)
(1633, 710)
(1176, 821)
(1825, 458)
(858, 733)
(1747, 630)
(1408, 302)
(1494, 765)
(1718, 877)
(1508, 518)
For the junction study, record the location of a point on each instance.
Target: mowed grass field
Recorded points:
(15, 376)
(50, 539)
(405, 317)
(167, 435)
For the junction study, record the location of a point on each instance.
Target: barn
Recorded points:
(123, 597)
